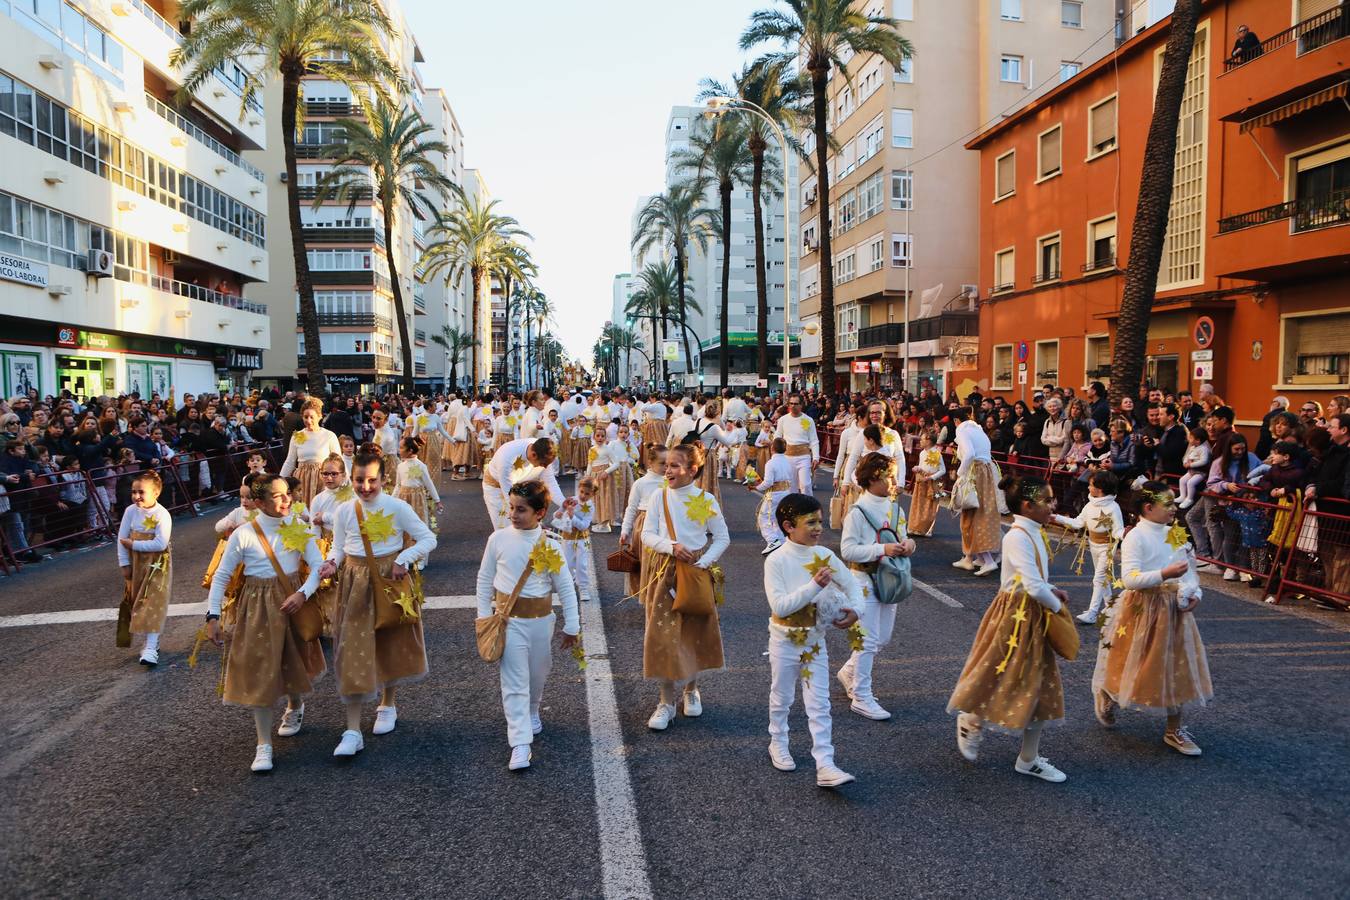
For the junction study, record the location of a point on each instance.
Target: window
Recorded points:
(1102, 127)
(905, 73)
(902, 128)
(1071, 13)
(1010, 68)
(1183, 249)
(845, 266)
(1005, 175)
(1047, 258)
(902, 189)
(1316, 350)
(1320, 178)
(1048, 153)
(1097, 359)
(1003, 270)
(870, 81)
(876, 252)
(1101, 248)
(848, 319)
(873, 136)
(1047, 362)
(904, 9)
(808, 192)
(902, 251)
(1010, 10)
(843, 105)
(810, 281)
(848, 212)
(871, 198)
(810, 240)
(1003, 367)
(1067, 70)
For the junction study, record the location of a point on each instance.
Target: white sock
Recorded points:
(985, 559)
(152, 641)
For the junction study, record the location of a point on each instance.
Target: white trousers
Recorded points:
(581, 560)
(1101, 576)
(524, 667)
(786, 668)
(768, 524)
(495, 501)
(801, 474)
(878, 622)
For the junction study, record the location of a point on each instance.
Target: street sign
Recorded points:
(1204, 371)
(762, 383)
(670, 351)
(782, 379)
(1202, 355)
(1022, 351)
(1022, 376)
(1203, 333)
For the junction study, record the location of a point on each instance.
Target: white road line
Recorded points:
(61, 731)
(938, 595)
(623, 862)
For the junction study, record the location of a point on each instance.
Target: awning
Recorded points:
(1279, 114)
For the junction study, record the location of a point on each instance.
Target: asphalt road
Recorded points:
(118, 782)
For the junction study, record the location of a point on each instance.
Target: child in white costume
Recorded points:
(573, 522)
(808, 588)
(414, 484)
(1105, 527)
(877, 507)
(634, 514)
(775, 484)
(147, 568)
(527, 658)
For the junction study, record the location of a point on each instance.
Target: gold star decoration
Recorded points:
(1177, 536)
(518, 464)
(579, 654)
(344, 493)
(406, 602)
(298, 508)
(932, 457)
(511, 421)
(250, 515)
(294, 535)
(699, 508)
(546, 558)
(1019, 616)
(590, 457)
(856, 633)
(585, 507)
(1118, 584)
(1120, 632)
(751, 474)
(797, 636)
(1012, 641)
(150, 523)
(818, 562)
(378, 526)
(806, 422)
(890, 439)
(421, 421)
(299, 437)
(1103, 523)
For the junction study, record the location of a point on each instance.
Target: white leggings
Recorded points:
(524, 668)
(1192, 484)
(764, 516)
(878, 622)
(786, 667)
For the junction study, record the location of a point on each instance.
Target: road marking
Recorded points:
(109, 613)
(623, 862)
(938, 595)
(60, 731)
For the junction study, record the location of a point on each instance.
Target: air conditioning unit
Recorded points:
(99, 263)
(170, 257)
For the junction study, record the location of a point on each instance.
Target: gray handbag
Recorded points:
(890, 575)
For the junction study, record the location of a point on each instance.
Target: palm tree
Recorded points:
(514, 268)
(775, 89)
(721, 154)
(472, 240)
(455, 343)
(626, 341)
(388, 150)
(540, 309)
(655, 298)
(289, 39)
(818, 32)
(1149, 231)
(675, 219)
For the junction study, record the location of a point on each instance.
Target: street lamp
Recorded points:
(716, 107)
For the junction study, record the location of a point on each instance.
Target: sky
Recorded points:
(563, 106)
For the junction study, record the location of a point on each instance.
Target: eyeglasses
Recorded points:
(1310, 409)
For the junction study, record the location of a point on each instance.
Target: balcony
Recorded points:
(1288, 64)
(185, 125)
(310, 151)
(309, 192)
(420, 337)
(419, 368)
(1045, 277)
(197, 292)
(356, 320)
(1298, 238)
(335, 108)
(419, 303)
(366, 362)
(881, 335)
(324, 235)
(172, 33)
(1310, 34)
(355, 277)
(946, 324)
(1307, 213)
(1101, 263)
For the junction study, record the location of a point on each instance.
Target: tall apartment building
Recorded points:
(446, 304)
(637, 370)
(1252, 289)
(128, 227)
(905, 194)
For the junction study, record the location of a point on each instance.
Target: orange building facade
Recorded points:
(1254, 286)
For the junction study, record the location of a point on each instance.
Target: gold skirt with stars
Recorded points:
(655, 432)
(420, 501)
(621, 485)
(311, 482)
(604, 496)
(461, 453)
(1011, 678)
(267, 659)
(632, 581)
(923, 507)
(150, 586)
(980, 532)
(366, 661)
(1151, 655)
(707, 476)
(675, 647)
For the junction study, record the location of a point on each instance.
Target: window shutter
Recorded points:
(1320, 335)
(1103, 124)
(1003, 179)
(1309, 8)
(1050, 152)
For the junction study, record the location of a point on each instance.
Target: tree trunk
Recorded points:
(757, 147)
(724, 357)
(315, 381)
(476, 331)
(506, 357)
(454, 371)
(404, 342)
(1155, 198)
(819, 102)
(684, 321)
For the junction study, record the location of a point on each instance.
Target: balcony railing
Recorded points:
(338, 108)
(310, 151)
(419, 303)
(1309, 213)
(172, 32)
(1101, 262)
(357, 277)
(1043, 277)
(1001, 288)
(367, 361)
(420, 336)
(325, 234)
(310, 191)
(1311, 34)
(206, 295)
(188, 127)
(881, 335)
(358, 320)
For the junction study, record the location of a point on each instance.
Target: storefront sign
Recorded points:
(244, 359)
(67, 337)
(860, 367)
(24, 271)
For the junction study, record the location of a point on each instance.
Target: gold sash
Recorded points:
(526, 607)
(798, 449)
(802, 618)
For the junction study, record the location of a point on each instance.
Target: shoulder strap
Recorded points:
(670, 523)
(365, 542)
(505, 611)
(1040, 566)
(285, 579)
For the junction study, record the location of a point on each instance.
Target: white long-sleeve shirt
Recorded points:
(789, 586)
(775, 470)
(386, 437)
(245, 547)
(234, 518)
(930, 465)
(688, 533)
(1092, 513)
(655, 412)
(413, 474)
(1021, 551)
(529, 425)
(891, 445)
(135, 518)
(503, 468)
(799, 430)
(508, 552)
(712, 434)
(611, 457)
(1145, 553)
(638, 496)
(736, 410)
(428, 422)
(858, 543)
(971, 444)
(309, 447)
(679, 427)
(347, 536)
(579, 520)
(324, 506)
(845, 449)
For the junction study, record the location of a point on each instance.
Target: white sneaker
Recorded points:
(351, 744)
(1088, 617)
(386, 718)
(1230, 575)
(150, 656)
(832, 777)
(968, 737)
(1245, 577)
(770, 547)
(847, 678)
(986, 568)
(1040, 768)
(1186, 504)
(964, 563)
(661, 719)
(520, 758)
(291, 720)
(870, 709)
(781, 757)
(536, 723)
(693, 704)
(1206, 567)
(262, 759)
